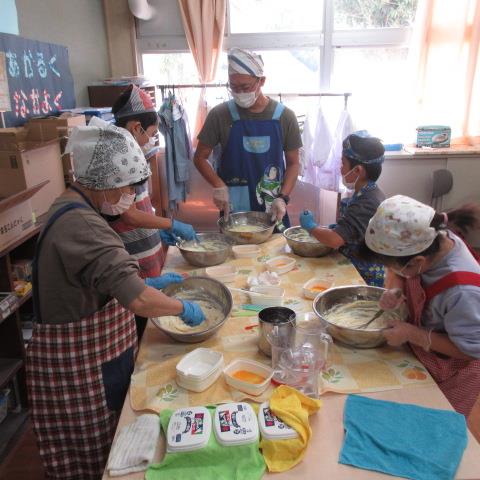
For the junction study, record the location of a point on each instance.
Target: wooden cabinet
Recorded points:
(105, 95)
(12, 345)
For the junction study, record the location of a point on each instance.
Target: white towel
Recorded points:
(134, 447)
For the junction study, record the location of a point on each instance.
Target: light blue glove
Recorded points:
(192, 314)
(164, 280)
(167, 237)
(306, 220)
(183, 230)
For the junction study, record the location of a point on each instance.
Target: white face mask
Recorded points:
(245, 99)
(149, 145)
(401, 273)
(112, 209)
(349, 185)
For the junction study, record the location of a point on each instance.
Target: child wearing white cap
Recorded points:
(440, 279)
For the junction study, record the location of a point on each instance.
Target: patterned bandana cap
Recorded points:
(350, 152)
(245, 62)
(400, 227)
(138, 102)
(106, 156)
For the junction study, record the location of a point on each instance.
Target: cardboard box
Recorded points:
(46, 128)
(29, 164)
(70, 120)
(11, 137)
(16, 215)
(41, 130)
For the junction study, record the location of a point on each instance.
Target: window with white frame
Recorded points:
(307, 46)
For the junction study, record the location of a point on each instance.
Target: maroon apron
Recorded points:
(458, 379)
(77, 376)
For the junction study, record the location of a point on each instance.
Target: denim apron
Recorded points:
(252, 164)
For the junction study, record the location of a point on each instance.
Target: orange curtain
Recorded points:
(445, 56)
(204, 25)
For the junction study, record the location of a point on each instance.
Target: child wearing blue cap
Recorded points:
(362, 158)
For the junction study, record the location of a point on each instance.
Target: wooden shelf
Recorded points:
(8, 368)
(20, 302)
(24, 238)
(11, 430)
(21, 240)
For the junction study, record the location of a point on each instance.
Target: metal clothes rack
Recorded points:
(172, 87)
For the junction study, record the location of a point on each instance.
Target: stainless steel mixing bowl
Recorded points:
(357, 338)
(305, 249)
(206, 259)
(199, 288)
(261, 219)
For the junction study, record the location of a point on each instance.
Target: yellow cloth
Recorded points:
(293, 408)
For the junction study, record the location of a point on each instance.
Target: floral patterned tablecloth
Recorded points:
(153, 385)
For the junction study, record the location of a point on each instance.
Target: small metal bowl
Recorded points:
(205, 259)
(357, 338)
(261, 219)
(305, 249)
(199, 288)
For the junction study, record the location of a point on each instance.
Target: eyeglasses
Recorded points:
(155, 136)
(243, 88)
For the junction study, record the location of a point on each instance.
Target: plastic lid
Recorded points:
(188, 429)
(271, 427)
(199, 364)
(235, 424)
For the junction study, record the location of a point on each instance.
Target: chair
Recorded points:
(442, 184)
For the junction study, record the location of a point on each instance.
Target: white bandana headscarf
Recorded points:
(400, 227)
(245, 62)
(106, 156)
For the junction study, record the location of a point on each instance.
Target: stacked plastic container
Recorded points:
(199, 369)
(235, 424)
(271, 427)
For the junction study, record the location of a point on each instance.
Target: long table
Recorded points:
(321, 460)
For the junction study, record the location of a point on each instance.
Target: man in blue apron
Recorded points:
(259, 140)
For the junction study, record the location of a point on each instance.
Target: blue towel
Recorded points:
(403, 440)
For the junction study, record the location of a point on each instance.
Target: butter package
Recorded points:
(435, 136)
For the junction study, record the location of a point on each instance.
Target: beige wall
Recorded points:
(120, 27)
(77, 24)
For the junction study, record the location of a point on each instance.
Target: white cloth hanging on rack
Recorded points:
(328, 175)
(317, 142)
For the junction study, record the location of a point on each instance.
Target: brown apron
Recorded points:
(77, 376)
(458, 379)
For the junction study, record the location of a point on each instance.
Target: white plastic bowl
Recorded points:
(267, 295)
(246, 251)
(315, 286)
(251, 366)
(199, 369)
(281, 264)
(222, 273)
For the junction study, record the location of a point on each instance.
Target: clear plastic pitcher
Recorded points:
(310, 333)
(280, 337)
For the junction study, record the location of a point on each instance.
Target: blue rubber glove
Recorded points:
(183, 230)
(192, 314)
(306, 220)
(164, 280)
(167, 237)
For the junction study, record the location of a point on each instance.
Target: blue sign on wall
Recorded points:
(39, 79)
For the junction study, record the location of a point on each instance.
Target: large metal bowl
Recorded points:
(199, 288)
(305, 249)
(261, 219)
(205, 259)
(358, 338)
